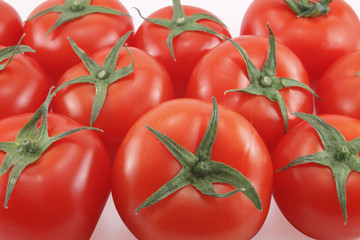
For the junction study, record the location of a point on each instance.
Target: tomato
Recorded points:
(188, 47)
(11, 26)
(143, 164)
(317, 41)
(223, 70)
(59, 194)
(23, 85)
(125, 100)
(307, 193)
(339, 87)
(93, 32)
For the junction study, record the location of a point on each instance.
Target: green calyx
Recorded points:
(199, 170)
(264, 82)
(101, 76)
(339, 155)
(30, 143)
(181, 23)
(307, 8)
(73, 9)
(10, 52)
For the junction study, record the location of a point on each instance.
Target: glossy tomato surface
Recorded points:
(189, 46)
(92, 33)
(339, 87)
(127, 99)
(23, 86)
(306, 194)
(224, 69)
(317, 41)
(62, 195)
(143, 165)
(11, 26)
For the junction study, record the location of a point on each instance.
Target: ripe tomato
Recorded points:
(23, 85)
(307, 194)
(224, 68)
(188, 47)
(317, 41)
(143, 164)
(62, 194)
(126, 99)
(339, 87)
(11, 26)
(93, 32)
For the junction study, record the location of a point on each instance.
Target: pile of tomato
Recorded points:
(191, 130)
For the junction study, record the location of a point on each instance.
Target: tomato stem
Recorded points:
(30, 143)
(264, 82)
(339, 155)
(181, 23)
(73, 9)
(199, 170)
(306, 8)
(107, 74)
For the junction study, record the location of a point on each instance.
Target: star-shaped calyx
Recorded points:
(199, 170)
(264, 82)
(30, 143)
(73, 9)
(181, 23)
(307, 8)
(339, 155)
(101, 76)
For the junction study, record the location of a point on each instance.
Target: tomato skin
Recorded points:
(339, 87)
(224, 69)
(11, 26)
(306, 194)
(143, 165)
(338, 32)
(23, 86)
(92, 32)
(189, 47)
(127, 99)
(62, 195)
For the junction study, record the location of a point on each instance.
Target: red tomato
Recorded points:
(224, 69)
(143, 164)
(339, 87)
(188, 47)
(62, 195)
(11, 26)
(23, 86)
(306, 194)
(126, 100)
(93, 32)
(317, 41)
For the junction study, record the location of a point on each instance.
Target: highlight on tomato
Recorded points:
(262, 80)
(93, 24)
(54, 177)
(191, 170)
(111, 89)
(318, 32)
(316, 183)
(178, 36)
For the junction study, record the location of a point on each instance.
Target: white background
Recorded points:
(110, 226)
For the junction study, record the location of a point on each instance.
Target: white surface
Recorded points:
(110, 226)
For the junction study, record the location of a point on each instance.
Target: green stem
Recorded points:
(30, 143)
(199, 170)
(339, 155)
(306, 8)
